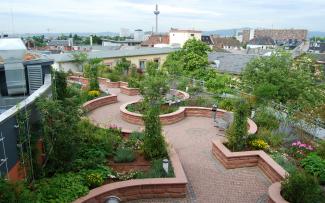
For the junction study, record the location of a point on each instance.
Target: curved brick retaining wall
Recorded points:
(270, 168)
(99, 102)
(130, 91)
(174, 117)
(143, 188)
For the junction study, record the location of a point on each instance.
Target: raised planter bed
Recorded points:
(180, 114)
(259, 158)
(130, 91)
(99, 102)
(143, 188)
(140, 164)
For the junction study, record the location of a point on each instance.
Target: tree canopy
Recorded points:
(282, 79)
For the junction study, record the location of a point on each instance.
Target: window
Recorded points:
(192, 35)
(157, 60)
(142, 64)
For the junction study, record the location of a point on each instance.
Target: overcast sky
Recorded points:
(32, 16)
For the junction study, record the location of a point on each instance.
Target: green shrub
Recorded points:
(259, 144)
(89, 156)
(157, 171)
(94, 180)
(237, 132)
(62, 188)
(314, 165)
(300, 187)
(124, 155)
(283, 161)
(266, 120)
(135, 141)
(274, 139)
(133, 83)
(321, 149)
(227, 104)
(114, 77)
(7, 193)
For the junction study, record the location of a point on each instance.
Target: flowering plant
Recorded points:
(259, 144)
(93, 94)
(300, 150)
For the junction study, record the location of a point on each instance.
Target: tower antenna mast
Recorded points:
(156, 12)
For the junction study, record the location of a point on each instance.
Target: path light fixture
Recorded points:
(253, 113)
(165, 165)
(113, 199)
(214, 112)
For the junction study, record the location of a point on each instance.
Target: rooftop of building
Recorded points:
(262, 41)
(184, 30)
(225, 41)
(67, 57)
(230, 62)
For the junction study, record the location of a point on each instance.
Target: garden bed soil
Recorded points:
(140, 164)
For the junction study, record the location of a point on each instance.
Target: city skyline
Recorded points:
(36, 16)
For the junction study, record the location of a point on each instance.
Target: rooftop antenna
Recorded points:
(156, 12)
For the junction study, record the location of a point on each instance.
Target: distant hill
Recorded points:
(232, 32)
(68, 33)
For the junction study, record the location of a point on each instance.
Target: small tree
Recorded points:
(154, 143)
(59, 87)
(80, 58)
(93, 74)
(123, 65)
(237, 132)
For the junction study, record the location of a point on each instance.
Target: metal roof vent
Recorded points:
(12, 50)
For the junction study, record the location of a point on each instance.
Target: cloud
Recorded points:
(101, 15)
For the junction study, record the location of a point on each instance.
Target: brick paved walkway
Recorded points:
(209, 181)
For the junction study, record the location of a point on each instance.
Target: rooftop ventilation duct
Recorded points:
(12, 51)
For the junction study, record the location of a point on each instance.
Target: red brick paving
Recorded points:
(209, 181)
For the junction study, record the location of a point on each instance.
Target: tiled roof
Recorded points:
(220, 42)
(156, 39)
(229, 62)
(189, 31)
(67, 57)
(261, 41)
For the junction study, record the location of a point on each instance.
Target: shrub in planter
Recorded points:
(237, 132)
(300, 187)
(93, 94)
(266, 120)
(94, 180)
(61, 188)
(274, 139)
(114, 77)
(133, 83)
(314, 165)
(227, 104)
(259, 144)
(124, 155)
(157, 171)
(283, 161)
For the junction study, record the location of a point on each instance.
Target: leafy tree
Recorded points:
(280, 78)
(237, 132)
(123, 65)
(154, 143)
(39, 41)
(154, 85)
(59, 87)
(93, 73)
(80, 58)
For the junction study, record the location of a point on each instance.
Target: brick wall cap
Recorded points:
(274, 193)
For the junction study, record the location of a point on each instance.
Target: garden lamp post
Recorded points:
(165, 165)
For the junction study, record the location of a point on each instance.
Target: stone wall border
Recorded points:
(130, 91)
(259, 158)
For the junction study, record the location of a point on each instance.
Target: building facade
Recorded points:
(178, 37)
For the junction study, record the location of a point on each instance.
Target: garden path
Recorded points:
(208, 180)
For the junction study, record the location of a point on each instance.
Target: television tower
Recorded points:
(156, 12)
